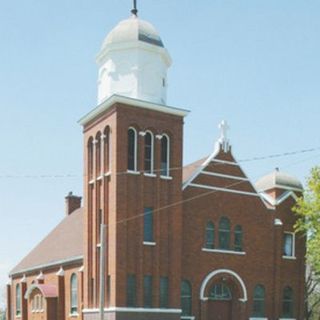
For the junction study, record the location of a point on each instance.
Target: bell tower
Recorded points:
(133, 180)
(133, 62)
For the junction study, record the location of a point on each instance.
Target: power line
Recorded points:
(63, 176)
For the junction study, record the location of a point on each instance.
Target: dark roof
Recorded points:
(64, 242)
(191, 168)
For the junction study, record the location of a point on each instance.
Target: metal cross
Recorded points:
(134, 10)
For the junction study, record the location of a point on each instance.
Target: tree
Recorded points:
(308, 223)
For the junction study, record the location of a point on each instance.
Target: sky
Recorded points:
(253, 63)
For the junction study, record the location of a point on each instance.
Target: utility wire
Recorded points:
(62, 176)
(158, 210)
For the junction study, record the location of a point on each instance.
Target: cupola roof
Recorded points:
(131, 30)
(278, 179)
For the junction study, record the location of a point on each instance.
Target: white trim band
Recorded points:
(227, 176)
(241, 253)
(196, 185)
(142, 310)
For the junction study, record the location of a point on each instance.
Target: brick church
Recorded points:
(155, 239)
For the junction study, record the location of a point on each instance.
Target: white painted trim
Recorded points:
(100, 177)
(187, 317)
(241, 253)
(279, 200)
(124, 309)
(225, 162)
(152, 153)
(47, 265)
(91, 181)
(279, 186)
(224, 175)
(289, 257)
(200, 168)
(149, 243)
(287, 318)
(135, 161)
(133, 172)
(216, 272)
(107, 174)
(164, 135)
(106, 104)
(166, 177)
(223, 189)
(256, 318)
(150, 175)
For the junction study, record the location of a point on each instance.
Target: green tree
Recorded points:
(308, 224)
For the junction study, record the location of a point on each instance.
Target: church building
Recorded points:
(153, 239)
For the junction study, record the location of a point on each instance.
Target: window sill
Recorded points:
(91, 181)
(74, 314)
(289, 257)
(258, 318)
(187, 317)
(287, 318)
(100, 177)
(151, 175)
(107, 174)
(166, 177)
(241, 253)
(133, 172)
(149, 243)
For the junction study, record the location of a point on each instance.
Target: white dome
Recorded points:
(133, 29)
(278, 179)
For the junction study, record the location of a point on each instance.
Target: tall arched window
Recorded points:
(74, 294)
(165, 156)
(259, 294)
(186, 298)
(224, 233)
(287, 303)
(209, 243)
(18, 300)
(148, 152)
(98, 154)
(106, 149)
(238, 238)
(132, 149)
(90, 158)
(220, 291)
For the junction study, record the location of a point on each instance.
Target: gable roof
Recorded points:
(64, 243)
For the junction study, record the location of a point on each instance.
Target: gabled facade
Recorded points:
(155, 240)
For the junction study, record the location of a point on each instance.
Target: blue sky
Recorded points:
(253, 63)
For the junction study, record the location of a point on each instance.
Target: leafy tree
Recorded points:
(308, 223)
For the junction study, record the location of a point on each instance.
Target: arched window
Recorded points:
(238, 238)
(287, 303)
(73, 294)
(90, 158)
(220, 291)
(148, 152)
(18, 300)
(98, 154)
(165, 156)
(186, 298)
(132, 149)
(209, 243)
(259, 294)
(106, 149)
(224, 233)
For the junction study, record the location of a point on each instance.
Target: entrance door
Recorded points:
(220, 303)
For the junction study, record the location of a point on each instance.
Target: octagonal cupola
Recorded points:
(133, 62)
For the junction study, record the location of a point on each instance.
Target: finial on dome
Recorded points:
(134, 10)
